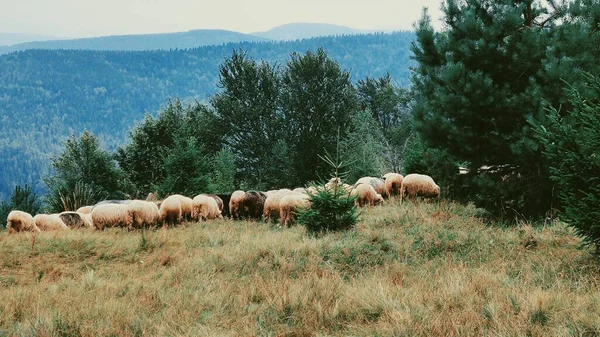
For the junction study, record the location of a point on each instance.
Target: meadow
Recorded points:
(411, 269)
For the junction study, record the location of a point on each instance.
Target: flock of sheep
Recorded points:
(272, 205)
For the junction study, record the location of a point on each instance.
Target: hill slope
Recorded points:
(46, 95)
(406, 270)
(166, 41)
(7, 39)
(305, 30)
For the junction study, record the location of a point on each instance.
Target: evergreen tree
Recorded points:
(223, 173)
(279, 173)
(186, 168)
(572, 146)
(83, 162)
(22, 199)
(247, 113)
(476, 85)
(317, 100)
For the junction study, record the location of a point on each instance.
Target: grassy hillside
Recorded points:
(48, 95)
(407, 270)
(162, 41)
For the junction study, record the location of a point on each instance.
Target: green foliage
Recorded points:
(160, 147)
(63, 198)
(223, 172)
(477, 84)
(22, 199)
(364, 147)
(59, 92)
(331, 208)
(317, 100)
(85, 171)
(247, 113)
(571, 144)
(279, 171)
(186, 169)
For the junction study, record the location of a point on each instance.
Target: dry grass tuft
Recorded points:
(416, 269)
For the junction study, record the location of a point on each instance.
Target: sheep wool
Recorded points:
(75, 220)
(49, 222)
(235, 203)
(85, 209)
(143, 213)
(19, 221)
(419, 185)
(205, 207)
(289, 206)
(366, 196)
(393, 183)
(170, 211)
(111, 215)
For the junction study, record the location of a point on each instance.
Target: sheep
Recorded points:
(271, 207)
(75, 219)
(85, 209)
(186, 206)
(205, 208)
(299, 190)
(333, 182)
(289, 206)
(378, 185)
(49, 222)
(235, 203)
(143, 213)
(253, 204)
(225, 197)
(419, 185)
(170, 211)
(393, 183)
(217, 199)
(118, 202)
(366, 196)
(19, 221)
(151, 196)
(111, 215)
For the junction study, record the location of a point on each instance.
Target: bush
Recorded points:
(571, 144)
(330, 210)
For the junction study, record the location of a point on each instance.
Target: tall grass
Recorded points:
(405, 270)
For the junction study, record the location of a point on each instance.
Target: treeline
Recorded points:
(265, 129)
(48, 95)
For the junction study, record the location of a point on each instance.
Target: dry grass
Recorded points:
(407, 270)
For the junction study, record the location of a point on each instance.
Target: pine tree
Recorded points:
(572, 146)
(476, 86)
(223, 172)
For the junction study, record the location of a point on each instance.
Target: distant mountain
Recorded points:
(140, 42)
(7, 39)
(304, 30)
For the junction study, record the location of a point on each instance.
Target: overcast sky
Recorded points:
(79, 18)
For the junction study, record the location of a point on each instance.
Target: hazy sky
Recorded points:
(78, 18)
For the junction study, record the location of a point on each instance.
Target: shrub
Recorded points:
(332, 209)
(571, 142)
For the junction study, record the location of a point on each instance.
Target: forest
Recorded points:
(47, 96)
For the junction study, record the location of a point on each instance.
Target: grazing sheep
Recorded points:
(366, 195)
(170, 211)
(253, 204)
(18, 221)
(299, 190)
(419, 185)
(333, 182)
(85, 209)
(49, 222)
(117, 202)
(75, 220)
(393, 183)
(143, 213)
(88, 219)
(217, 199)
(271, 192)
(225, 197)
(186, 206)
(111, 215)
(236, 203)
(271, 207)
(311, 190)
(289, 206)
(379, 186)
(364, 180)
(205, 208)
(151, 197)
